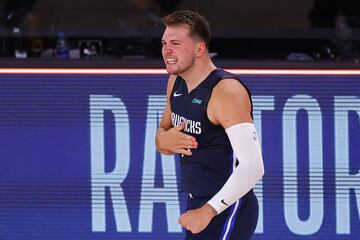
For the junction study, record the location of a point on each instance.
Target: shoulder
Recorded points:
(170, 84)
(229, 103)
(230, 87)
(171, 80)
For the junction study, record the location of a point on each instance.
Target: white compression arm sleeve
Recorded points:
(245, 144)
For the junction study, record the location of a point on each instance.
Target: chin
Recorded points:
(172, 71)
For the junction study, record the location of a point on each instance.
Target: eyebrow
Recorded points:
(171, 41)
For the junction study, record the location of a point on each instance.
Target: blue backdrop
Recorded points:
(78, 161)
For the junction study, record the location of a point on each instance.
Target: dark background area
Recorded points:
(252, 30)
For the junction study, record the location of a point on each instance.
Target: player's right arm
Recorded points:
(169, 139)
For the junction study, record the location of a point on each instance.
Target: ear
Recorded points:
(200, 49)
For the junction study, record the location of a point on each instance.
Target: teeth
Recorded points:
(170, 60)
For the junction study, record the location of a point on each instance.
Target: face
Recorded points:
(178, 49)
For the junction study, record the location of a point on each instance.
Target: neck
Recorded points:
(198, 73)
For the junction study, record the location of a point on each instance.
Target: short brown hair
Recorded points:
(199, 26)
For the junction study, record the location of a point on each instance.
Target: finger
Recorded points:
(187, 137)
(188, 144)
(192, 228)
(180, 127)
(182, 222)
(195, 231)
(194, 144)
(186, 152)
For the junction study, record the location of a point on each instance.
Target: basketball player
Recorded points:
(208, 121)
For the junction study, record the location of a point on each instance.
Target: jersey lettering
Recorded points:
(191, 126)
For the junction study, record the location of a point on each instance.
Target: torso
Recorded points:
(205, 172)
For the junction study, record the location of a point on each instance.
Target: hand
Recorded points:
(175, 141)
(197, 220)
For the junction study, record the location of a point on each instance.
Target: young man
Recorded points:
(208, 121)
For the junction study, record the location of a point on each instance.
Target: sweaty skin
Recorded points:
(229, 104)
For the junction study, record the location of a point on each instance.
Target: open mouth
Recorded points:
(170, 60)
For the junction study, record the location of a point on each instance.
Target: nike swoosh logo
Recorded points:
(223, 202)
(177, 94)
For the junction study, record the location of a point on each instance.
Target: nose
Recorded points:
(166, 50)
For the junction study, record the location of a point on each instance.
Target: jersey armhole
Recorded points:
(210, 91)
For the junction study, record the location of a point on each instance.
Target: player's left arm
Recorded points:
(230, 107)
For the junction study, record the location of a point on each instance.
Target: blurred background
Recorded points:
(278, 30)
(77, 155)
